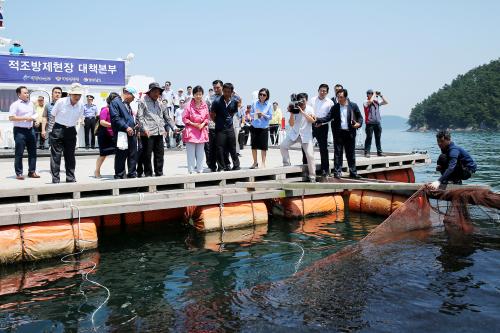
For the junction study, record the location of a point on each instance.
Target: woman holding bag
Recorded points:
(195, 133)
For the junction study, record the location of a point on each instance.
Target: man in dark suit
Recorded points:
(346, 119)
(222, 111)
(122, 120)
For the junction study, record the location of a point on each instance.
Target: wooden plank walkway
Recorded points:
(36, 199)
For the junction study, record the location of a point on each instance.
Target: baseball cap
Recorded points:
(369, 91)
(131, 90)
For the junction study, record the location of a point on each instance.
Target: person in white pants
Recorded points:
(301, 119)
(195, 134)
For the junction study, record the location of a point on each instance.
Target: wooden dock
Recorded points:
(34, 200)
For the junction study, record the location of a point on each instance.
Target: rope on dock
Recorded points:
(21, 232)
(253, 210)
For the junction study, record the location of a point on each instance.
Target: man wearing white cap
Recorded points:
(62, 127)
(123, 121)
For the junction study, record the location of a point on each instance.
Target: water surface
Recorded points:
(267, 278)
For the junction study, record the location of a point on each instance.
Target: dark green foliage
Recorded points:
(472, 100)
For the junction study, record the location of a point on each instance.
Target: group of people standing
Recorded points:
(213, 128)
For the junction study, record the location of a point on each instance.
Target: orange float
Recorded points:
(42, 240)
(232, 215)
(307, 206)
(373, 202)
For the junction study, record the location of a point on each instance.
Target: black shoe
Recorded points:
(324, 174)
(367, 155)
(355, 176)
(70, 180)
(117, 177)
(213, 169)
(87, 147)
(93, 147)
(381, 154)
(131, 176)
(236, 168)
(158, 174)
(55, 181)
(227, 169)
(337, 176)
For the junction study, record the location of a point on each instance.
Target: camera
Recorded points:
(378, 93)
(295, 102)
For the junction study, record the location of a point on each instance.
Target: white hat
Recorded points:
(76, 89)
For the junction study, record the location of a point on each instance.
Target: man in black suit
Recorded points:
(222, 111)
(346, 120)
(122, 121)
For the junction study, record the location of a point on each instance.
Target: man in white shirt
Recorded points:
(189, 94)
(64, 117)
(168, 96)
(300, 131)
(178, 97)
(22, 114)
(322, 106)
(179, 123)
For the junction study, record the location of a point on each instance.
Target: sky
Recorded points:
(405, 49)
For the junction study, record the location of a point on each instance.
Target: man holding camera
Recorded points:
(346, 120)
(300, 121)
(373, 120)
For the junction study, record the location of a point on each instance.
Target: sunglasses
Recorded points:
(262, 94)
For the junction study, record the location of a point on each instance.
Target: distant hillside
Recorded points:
(394, 122)
(471, 101)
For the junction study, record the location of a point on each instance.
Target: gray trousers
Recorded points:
(308, 148)
(195, 156)
(237, 133)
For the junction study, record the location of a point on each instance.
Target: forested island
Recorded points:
(470, 102)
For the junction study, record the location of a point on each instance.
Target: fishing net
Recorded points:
(455, 209)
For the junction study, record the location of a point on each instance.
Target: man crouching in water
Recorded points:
(454, 163)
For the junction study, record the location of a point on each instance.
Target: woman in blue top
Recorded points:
(261, 113)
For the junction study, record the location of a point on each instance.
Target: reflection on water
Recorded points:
(183, 281)
(246, 280)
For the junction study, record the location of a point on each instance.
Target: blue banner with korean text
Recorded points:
(61, 71)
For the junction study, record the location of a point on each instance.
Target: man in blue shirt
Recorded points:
(89, 113)
(455, 164)
(16, 49)
(222, 111)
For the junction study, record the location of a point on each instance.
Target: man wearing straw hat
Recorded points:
(62, 127)
(152, 116)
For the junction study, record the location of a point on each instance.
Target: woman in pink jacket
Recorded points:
(195, 133)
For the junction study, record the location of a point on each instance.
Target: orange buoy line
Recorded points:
(35, 241)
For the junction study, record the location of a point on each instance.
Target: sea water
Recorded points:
(251, 280)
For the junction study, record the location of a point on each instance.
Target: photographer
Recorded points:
(373, 120)
(301, 119)
(346, 120)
